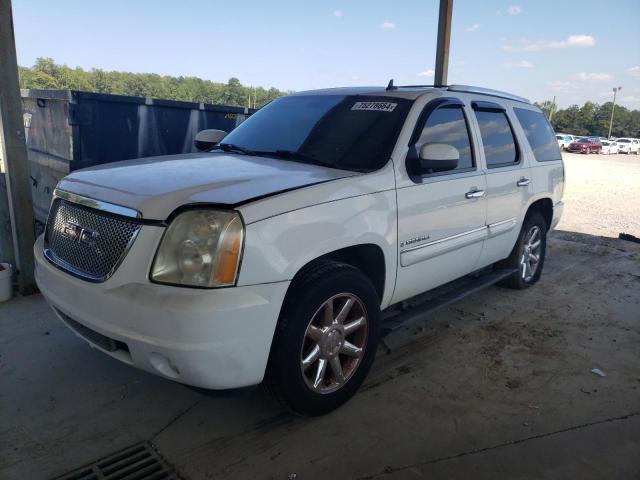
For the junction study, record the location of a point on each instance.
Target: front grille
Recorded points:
(86, 242)
(106, 343)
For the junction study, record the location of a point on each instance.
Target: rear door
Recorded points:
(441, 216)
(508, 178)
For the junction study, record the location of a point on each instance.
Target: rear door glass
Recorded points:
(497, 138)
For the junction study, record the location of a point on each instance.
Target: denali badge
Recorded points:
(414, 240)
(79, 234)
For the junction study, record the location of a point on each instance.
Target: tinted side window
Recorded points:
(448, 125)
(539, 134)
(497, 138)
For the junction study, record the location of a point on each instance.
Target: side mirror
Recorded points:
(438, 157)
(206, 139)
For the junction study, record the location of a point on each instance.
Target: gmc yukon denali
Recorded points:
(272, 255)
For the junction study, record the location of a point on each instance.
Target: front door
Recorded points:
(441, 216)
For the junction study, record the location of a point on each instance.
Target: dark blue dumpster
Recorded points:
(67, 130)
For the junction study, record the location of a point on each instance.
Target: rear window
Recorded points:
(539, 135)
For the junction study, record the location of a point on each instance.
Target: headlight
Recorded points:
(201, 248)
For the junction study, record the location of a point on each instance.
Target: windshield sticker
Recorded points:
(375, 106)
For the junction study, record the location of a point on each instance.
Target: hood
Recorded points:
(156, 186)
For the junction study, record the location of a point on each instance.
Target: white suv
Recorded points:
(628, 145)
(275, 254)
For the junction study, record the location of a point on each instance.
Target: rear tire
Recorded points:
(319, 359)
(528, 254)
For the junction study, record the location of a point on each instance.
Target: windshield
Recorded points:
(559, 137)
(349, 132)
(624, 140)
(584, 140)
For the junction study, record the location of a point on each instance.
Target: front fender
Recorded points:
(277, 248)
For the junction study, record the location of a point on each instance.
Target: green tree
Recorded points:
(46, 74)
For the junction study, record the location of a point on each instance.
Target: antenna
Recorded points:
(390, 85)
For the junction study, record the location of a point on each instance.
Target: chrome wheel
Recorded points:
(334, 343)
(531, 251)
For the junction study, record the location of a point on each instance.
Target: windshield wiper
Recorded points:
(295, 155)
(283, 154)
(230, 147)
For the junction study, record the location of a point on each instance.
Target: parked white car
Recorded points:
(564, 140)
(628, 145)
(609, 147)
(271, 256)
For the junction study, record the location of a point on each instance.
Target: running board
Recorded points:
(420, 306)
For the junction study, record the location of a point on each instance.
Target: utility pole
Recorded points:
(444, 37)
(553, 108)
(13, 151)
(613, 107)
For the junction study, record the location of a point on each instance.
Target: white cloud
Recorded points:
(586, 84)
(634, 71)
(562, 86)
(589, 76)
(520, 64)
(630, 99)
(514, 10)
(337, 13)
(539, 45)
(427, 73)
(388, 25)
(472, 28)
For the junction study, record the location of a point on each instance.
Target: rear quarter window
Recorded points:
(539, 135)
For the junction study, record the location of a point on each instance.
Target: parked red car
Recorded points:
(585, 145)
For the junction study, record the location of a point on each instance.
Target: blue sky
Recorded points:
(576, 50)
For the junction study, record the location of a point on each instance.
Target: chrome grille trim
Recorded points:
(96, 204)
(87, 242)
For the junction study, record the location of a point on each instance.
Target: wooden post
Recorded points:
(13, 151)
(444, 37)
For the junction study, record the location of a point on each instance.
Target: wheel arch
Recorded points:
(367, 257)
(545, 207)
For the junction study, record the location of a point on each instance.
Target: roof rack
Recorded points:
(487, 91)
(416, 86)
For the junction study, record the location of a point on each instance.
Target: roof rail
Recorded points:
(416, 86)
(487, 91)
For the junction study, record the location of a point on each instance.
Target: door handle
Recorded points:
(474, 194)
(523, 182)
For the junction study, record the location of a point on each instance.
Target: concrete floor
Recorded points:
(498, 385)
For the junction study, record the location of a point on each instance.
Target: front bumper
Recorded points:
(210, 338)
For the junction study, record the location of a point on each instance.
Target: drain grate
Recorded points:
(139, 462)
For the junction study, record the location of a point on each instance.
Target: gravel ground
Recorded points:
(602, 194)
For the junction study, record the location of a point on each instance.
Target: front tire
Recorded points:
(326, 338)
(528, 254)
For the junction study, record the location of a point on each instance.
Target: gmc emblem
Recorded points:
(79, 234)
